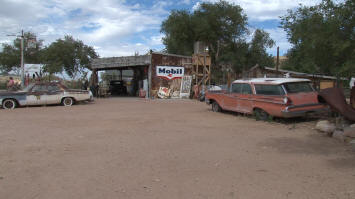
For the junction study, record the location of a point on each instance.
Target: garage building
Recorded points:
(150, 72)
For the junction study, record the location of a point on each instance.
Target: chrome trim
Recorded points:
(288, 114)
(303, 105)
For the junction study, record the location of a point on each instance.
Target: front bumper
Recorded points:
(305, 110)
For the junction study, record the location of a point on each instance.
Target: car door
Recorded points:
(37, 95)
(231, 99)
(54, 94)
(245, 104)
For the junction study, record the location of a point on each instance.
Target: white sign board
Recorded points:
(185, 87)
(170, 72)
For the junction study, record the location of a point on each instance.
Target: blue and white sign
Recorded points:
(170, 72)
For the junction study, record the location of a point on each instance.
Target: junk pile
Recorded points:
(335, 98)
(342, 129)
(344, 133)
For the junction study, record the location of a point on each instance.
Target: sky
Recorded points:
(125, 27)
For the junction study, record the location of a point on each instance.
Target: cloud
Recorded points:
(104, 23)
(280, 38)
(118, 27)
(187, 2)
(261, 10)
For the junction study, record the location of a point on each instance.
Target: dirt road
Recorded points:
(137, 148)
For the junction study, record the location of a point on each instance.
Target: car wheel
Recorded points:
(216, 107)
(260, 114)
(9, 104)
(68, 101)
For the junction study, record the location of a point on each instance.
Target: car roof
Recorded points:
(271, 80)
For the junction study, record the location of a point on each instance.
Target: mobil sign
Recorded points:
(170, 72)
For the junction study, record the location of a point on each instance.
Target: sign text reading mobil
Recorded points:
(170, 72)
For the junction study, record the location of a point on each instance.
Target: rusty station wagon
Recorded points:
(265, 97)
(43, 94)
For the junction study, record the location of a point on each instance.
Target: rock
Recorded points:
(349, 132)
(339, 135)
(325, 126)
(352, 126)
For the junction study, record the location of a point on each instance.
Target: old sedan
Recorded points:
(43, 94)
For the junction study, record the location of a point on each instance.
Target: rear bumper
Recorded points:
(305, 110)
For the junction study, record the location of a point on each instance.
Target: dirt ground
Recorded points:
(137, 148)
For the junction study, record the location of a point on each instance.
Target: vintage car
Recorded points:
(265, 97)
(43, 94)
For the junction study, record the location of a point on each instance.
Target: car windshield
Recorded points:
(298, 87)
(265, 89)
(28, 88)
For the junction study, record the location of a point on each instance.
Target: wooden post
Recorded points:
(149, 94)
(277, 62)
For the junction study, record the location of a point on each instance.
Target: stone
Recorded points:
(325, 126)
(339, 135)
(349, 132)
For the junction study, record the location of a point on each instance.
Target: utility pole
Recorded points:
(277, 61)
(22, 61)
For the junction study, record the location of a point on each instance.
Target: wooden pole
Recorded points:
(277, 62)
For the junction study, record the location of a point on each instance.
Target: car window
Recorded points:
(236, 88)
(246, 89)
(53, 88)
(298, 87)
(28, 88)
(261, 89)
(39, 88)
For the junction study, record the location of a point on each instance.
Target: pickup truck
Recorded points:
(268, 97)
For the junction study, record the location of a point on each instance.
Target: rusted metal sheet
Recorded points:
(335, 98)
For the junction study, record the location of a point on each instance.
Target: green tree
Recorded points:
(223, 27)
(257, 49)
(322, 37)
(219, 25)
(69, 55)
(10, 57)
(179, 33)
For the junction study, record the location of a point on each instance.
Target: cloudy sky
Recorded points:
(123, 27)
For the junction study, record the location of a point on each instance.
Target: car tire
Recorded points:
(260, 114)
(67, 101)
(9, 104)
(216, 107)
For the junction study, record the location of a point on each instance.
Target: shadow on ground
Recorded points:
(315, 144)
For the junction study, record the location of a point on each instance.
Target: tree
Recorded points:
(219, 25)
(69, 55)
(10, 57)
(179, 33)
(223, 27)
(322, 37)
(257, 49)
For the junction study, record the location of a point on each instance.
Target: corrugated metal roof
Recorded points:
(303, 74)
(271, 80)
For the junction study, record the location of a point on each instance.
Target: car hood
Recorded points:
(7, 93)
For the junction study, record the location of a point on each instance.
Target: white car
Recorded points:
(43, 94)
